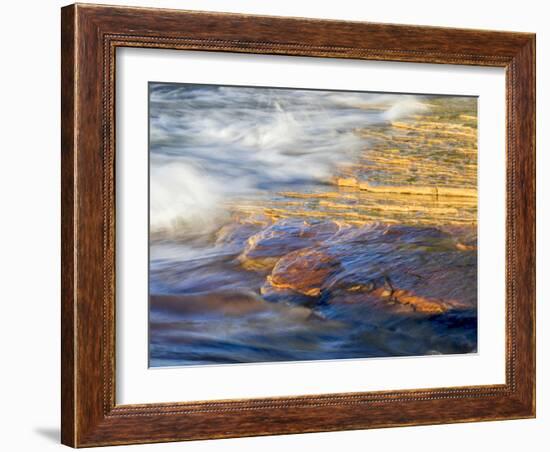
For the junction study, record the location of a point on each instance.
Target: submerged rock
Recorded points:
(264, 249)
(418, 303)
(393, 300)
(398, 268)
(304, 271)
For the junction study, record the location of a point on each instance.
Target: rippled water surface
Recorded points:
(295, 225)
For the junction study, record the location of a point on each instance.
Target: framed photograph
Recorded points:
(280, 225)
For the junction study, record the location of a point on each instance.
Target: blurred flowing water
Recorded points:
(295, 225)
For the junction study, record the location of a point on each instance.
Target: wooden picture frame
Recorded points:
(90, 36)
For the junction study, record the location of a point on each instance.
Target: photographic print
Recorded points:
(299, 224)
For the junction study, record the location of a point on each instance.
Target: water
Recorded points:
(266, 244)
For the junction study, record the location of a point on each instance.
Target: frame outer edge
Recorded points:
(534, 226)
(87, 420)
(68, 230)
(525, 62)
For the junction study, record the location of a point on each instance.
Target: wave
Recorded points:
(214, 144)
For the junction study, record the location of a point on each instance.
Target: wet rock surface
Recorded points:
(264, 249)
(417, 267)
(303, 271)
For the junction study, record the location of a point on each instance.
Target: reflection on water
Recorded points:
(299, 225)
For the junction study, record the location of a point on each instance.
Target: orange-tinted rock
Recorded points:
(347, 182)
(378, 305)
(391, 301)
(303, 271)
(416, 302)
(392, 269)
(463, 247)
(264, 249)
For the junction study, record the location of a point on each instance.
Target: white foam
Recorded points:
(211, 144)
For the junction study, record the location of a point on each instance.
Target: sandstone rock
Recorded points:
(394, 301)
(347, 182)
(303, 271)
(396, 269)
(416, 302)
(433, 191)
(463, 247)
(264, 249)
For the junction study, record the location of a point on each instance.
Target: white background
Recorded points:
(29, 393)
(137, 384)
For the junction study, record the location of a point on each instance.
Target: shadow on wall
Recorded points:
(50, 433)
